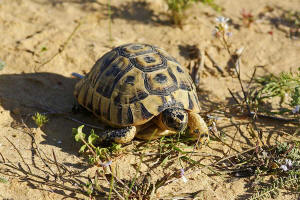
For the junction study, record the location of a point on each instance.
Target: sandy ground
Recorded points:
(37, 75)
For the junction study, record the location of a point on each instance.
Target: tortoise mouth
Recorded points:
(175, 119)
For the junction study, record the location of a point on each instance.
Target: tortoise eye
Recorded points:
(180, 116)
(130, 80)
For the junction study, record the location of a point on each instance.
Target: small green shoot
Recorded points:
(3, 180)
(91, 146)
(44, 49)
(40, 119)
(178, 7)
(2, 65)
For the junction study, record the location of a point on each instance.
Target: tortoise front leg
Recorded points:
(197, 127)
(122, 135)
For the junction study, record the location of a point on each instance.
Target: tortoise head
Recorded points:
(175, 119)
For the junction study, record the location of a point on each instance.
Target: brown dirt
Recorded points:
(32, 31)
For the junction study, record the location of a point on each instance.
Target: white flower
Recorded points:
(288, 165)
(284, 168)
(106, 164)
(222, 20)
(182, 175)
(221, 27)
(184, 179)
(296, 109)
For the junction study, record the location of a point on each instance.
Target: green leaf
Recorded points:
(296, 97)
(78, 134)
(2, 64)
(116, 147)
(100, 151)
(3, 180)
(165, 160)
(44, 49)
(82, 148)
(93, 137)
(92, 160)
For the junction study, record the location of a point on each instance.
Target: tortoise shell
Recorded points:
(133, 83)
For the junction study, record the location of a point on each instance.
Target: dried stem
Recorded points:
(61, 48)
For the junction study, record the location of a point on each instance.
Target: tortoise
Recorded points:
(141, 91)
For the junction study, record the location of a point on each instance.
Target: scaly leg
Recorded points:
(122, 135)
(197, 127)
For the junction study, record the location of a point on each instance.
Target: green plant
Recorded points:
(290, 181)
(3, 180)
(139, 187)
(286, 86)
(96, 153)
(44, 49)
(177, 8)
(2, 64)
(40, 119)
(280, 163)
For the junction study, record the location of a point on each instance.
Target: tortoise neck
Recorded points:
(158, 121)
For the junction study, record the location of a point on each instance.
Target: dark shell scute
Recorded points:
(149, 59)
(184, 86)
(129, 116)
(140, 96)
(160, 78)
(145, 113)
(179, 69)
(191, 104)
(136, 47)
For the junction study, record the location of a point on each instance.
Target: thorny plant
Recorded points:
(281, 161)
(177, 8)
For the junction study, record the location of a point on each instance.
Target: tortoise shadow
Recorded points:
(25, 94)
